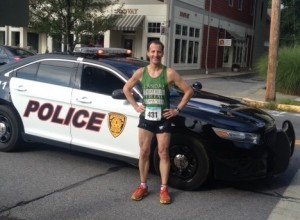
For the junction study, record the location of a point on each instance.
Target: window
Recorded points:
(99, 80)
(230, 3)
(192, 32)
(183, 51)
(153, 27)
(190, 51)
(186, 45)
(56, 72)
(197, 32)
(184, 30)
(196, 51)
(177, 50)
(28, 72)
(178, 29)
(240, 4)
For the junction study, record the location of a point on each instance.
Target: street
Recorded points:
(43, 182)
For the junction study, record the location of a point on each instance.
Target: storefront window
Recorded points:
(2, 37)
(226, 55)
(153, 27)
(184, 30)
(177, 51)
(196, 50)
(192, 32)
(178, 29)
(183, 51)
(186, 45)
(190, 51)
(197, 32)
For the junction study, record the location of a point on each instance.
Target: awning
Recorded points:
(129, 22)
(234, 35)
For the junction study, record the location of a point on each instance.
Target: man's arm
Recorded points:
(188, 92)
(127, 89)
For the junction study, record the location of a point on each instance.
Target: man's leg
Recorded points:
(145, 138)
(163, 140)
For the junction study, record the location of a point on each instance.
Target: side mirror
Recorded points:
(119, 94)
(197, 86)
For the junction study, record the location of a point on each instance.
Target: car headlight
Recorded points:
(237, 135)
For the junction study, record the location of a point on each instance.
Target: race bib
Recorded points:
(153, 113)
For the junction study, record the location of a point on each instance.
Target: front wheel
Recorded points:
(190, 165)
(288, 128)
(9, 130)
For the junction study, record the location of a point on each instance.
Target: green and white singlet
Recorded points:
(155, 94)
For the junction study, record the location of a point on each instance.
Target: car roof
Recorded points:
(14, 49)
(124, 64)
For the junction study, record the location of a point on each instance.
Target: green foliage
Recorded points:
(290, 23)
(65, 17)
(288, 70)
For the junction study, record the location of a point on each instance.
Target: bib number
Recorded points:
(153, 113)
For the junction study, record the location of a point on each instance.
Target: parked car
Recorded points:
(78, 103)
(10, 54)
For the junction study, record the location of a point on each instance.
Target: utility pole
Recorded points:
(273, 51)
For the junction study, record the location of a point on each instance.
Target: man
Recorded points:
(155, 114)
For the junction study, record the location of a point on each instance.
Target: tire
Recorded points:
(190, 165)
(288, 128)
(10, 137)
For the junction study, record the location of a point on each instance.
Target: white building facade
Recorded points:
(188, 29)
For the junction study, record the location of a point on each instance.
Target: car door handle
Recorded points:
(84, 100)
(21, 88)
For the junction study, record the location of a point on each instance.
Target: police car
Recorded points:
(78, 103)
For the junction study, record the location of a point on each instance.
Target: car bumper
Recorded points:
(270, 158)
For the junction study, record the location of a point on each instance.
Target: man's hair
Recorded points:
(157, 42)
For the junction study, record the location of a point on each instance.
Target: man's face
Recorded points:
(155, 53)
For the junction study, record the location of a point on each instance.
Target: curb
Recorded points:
(262, 104)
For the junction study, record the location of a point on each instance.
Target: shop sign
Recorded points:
(225, 42)
(126, 11)
(184, 14)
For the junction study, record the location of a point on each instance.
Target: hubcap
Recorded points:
(2, 129)
(181, 162)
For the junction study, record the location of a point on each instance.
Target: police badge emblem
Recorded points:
(116, 123)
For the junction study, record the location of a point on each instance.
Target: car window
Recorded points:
(2, 52)
(99, 80)
(20, 52)
(56, 72)
(28, 72)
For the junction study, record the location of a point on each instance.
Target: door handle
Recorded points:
(21, 88)
(84, 100)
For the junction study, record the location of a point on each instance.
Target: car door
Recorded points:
(108, 124)
(41, 93)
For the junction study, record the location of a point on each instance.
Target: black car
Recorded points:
(78, 103)
(10, 54)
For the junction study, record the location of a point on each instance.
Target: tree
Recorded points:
(64, 19)
(290, 23)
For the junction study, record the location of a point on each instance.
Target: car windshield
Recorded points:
(126, 65)
(20, 52)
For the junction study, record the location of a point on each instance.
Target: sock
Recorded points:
(144, 185)
(163, 187)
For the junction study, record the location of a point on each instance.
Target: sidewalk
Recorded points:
(288, 207)
(256, 98)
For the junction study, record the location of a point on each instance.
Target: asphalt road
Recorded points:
(42, 182)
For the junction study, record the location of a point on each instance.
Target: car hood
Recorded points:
(222, 111)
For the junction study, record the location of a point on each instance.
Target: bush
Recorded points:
(288, 70)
